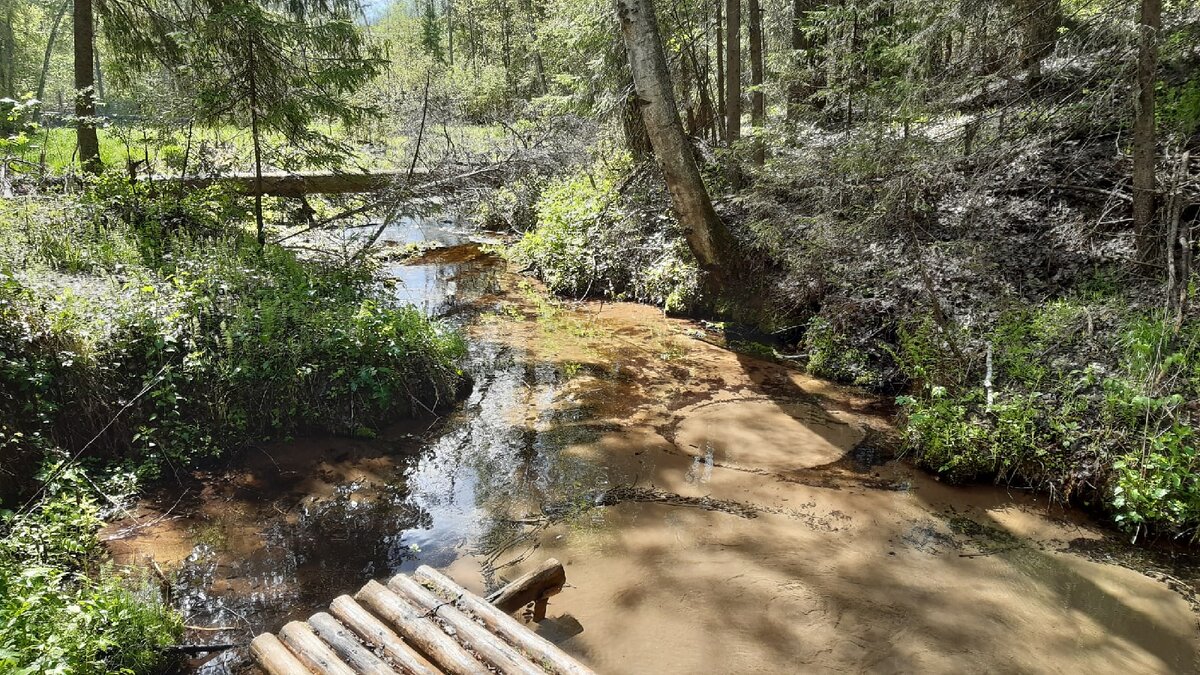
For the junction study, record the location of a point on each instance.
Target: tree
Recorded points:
(733, 81)
(250, 64)
(85, 87)
(1144, 184)
(706, 234)
(431, 31)
(758, 99)
(41, 87)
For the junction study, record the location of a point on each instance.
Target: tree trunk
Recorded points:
(705, 233)
(758, 98)
(1040, 22)
(259, 226)
(85, 89)
(733, 83)
(722, 123)
(100, 99)
(1144, 194)
(62, 9)
(796, 90)
(8, 87)
(450, 31)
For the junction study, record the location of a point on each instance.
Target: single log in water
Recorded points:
(535, 586)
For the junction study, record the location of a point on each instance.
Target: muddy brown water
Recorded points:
(715, 512)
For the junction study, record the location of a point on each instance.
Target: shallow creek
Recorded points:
(715, 512)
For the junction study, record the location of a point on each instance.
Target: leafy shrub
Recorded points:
(595, 235)
(832, 355)
(200, 340)
(61, 611)
(1116, 430)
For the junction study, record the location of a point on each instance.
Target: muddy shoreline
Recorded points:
(714, 512)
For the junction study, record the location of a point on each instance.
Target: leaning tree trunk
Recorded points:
(85, 89)
(706, 234)
(1144, 193)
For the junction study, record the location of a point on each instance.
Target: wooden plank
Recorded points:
(535, 586)
(347, 646)
(499, 622)
(275, 658)
(304, 643)
(421, 631)
(373, 631)
(489, 646)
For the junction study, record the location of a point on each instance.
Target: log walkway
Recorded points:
(421, 625)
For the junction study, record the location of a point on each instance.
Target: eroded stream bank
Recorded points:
(715, 513)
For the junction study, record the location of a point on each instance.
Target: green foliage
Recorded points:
(61, 609)
(18, 123)
(831, 355)
(594, 239)
(1115, 430)
(203, 342)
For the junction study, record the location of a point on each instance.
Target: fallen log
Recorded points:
(535, 586)
(538, 648)
(304, 643)
(281, 184)
(347, 646)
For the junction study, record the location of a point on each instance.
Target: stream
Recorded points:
(714, 512)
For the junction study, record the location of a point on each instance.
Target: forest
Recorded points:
(966, 229)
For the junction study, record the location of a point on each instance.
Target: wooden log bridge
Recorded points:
(421, 625)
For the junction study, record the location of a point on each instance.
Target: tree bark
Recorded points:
(1040, 27)
(1144, 155)
(722, 123)
(733, 83)
(85, 87)
(62, 9)
(8, 87)
(706, 234)
(450, 31)
(758, 98)
(259, 225)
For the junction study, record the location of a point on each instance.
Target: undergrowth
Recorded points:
(143, 332)
(1087, 400)
(603, 232)
(62, 609)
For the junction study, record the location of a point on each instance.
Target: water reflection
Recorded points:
(278, 536)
